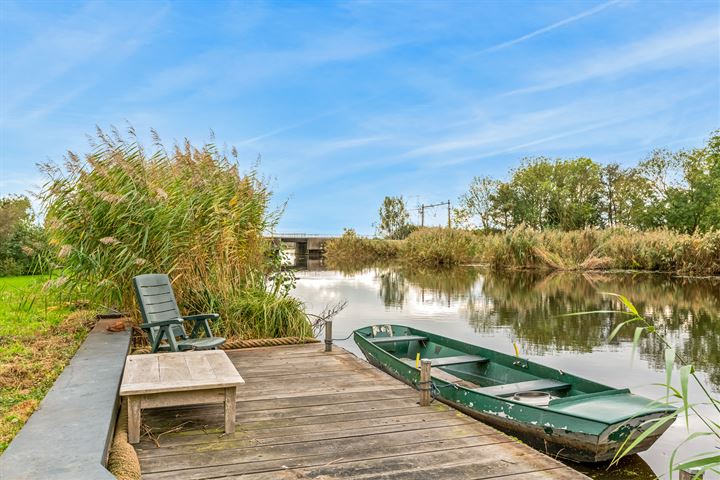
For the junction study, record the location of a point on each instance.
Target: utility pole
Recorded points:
(423, 207)
(449, 225)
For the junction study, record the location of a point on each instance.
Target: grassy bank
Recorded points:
(38, 336)
(524, 248)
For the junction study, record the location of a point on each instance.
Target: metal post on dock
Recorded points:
(328, 335)
(424, 385)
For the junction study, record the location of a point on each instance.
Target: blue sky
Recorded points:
(348, 102)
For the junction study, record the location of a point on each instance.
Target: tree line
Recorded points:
(679, 190)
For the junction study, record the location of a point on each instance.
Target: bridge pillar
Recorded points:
(301, 249)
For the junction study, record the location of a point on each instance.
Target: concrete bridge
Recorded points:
(305, 243)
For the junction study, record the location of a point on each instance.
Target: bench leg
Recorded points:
(230, 409)
(133, 419)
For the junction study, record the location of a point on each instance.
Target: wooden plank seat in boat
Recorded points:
(399, 338)
(443, 375)
(457, 360)
(528, 386)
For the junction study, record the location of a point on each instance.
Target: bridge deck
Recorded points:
(308, 414)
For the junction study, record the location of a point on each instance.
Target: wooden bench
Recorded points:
(175, 379)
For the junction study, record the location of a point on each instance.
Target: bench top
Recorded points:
(181, 371)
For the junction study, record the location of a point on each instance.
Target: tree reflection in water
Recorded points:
(531, 304)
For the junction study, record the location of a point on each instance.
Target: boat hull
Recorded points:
(569, 438)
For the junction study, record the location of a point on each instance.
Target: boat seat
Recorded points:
(443, 375)
(400, 338)
(531, 385)
(460, 359)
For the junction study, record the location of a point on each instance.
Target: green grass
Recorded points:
(39, 334)
(25, 308)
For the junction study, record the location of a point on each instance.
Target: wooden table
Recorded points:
(174, 379)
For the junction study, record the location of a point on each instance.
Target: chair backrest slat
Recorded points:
(157, 301)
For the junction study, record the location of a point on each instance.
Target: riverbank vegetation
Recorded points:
(187, 211)
(39, 334)
(619, 248)
(570, 214)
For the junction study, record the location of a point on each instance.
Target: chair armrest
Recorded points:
(162, 323)
(201, 323)
(202, 316)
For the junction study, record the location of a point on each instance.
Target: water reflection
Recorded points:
(532, 306)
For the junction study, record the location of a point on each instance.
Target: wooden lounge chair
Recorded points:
(162, 319)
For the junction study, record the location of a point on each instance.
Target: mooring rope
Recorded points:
(123, 460)
(252, 343)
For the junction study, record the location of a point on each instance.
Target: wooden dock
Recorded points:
(304, 413)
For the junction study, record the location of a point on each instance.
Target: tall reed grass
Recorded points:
(187, 211)
(439, 247)
(350, 248)
(526, 248)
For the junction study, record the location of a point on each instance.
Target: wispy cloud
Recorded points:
(302, 122)
(54, 59)
(549, 28)
(226, 72)
(661, 51)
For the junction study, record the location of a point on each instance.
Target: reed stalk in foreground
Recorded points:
(703, 462)
(186, 211)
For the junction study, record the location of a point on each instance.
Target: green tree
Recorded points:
(698, 205)
(547, 193)
(612, 176)
(576, 197)
(477, 202)
(22, 241)
(394, 219)
(532, 186)
(503, 201)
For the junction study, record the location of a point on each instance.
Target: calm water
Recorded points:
(496, 309)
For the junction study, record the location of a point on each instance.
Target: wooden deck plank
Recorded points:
(278, 465)
(468, 463)
(248, 448)
(303, 414)
(303, 434)
(396, 420)
(295, 416)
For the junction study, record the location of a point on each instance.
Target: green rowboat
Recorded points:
(554, 411)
